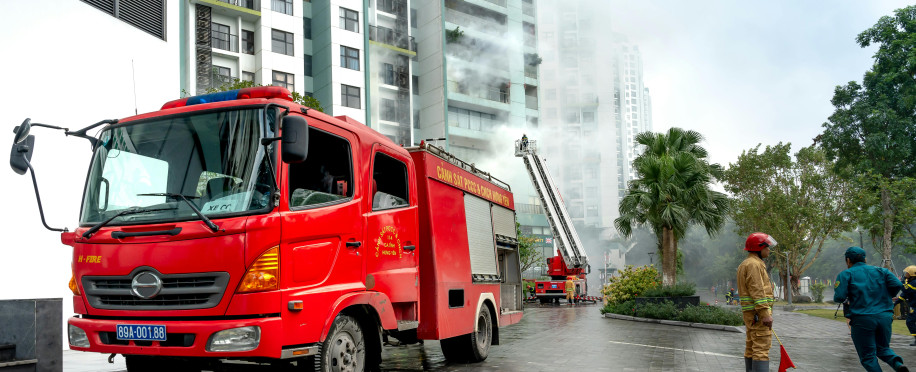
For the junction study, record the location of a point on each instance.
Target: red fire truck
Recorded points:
(241, 225)
(571, 262)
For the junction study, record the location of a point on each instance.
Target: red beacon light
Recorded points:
(231, 95)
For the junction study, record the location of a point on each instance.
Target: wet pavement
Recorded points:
(577, 338)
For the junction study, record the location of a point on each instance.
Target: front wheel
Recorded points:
(345, 348)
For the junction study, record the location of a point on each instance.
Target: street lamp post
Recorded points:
(788, 281)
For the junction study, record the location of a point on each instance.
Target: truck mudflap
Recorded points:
(183, 337)
(509, 317)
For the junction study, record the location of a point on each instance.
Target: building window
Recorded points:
(220, 75)
(282, 6)
(248, 76)
(413, 18)
(282, 79)
(349, 20)
(219, 36)
(308, 64)
(387, 74)
(349, 58)
(349, 96)
(415, 84)
(282, 42)
(588, 117)
(387, 110)
(247, 42)
(307, 28)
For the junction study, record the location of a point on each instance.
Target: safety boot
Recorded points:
(748, 365)
(914, 341)
(761, 366)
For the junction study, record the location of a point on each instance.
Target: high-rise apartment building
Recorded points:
(595, 102)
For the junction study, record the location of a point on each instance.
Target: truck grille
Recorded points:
(179, 291)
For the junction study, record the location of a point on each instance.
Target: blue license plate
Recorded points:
(142, 332)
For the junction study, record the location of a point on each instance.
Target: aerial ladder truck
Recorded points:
(571, 260)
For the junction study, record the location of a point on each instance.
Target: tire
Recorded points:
(345, 348)
(144, 363)
(544, 300)
(473, 347)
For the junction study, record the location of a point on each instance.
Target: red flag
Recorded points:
(784, 361)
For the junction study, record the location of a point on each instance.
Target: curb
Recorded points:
(715, 327)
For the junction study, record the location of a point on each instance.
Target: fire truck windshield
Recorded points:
(213, 159)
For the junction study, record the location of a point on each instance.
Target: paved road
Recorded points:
(577, 338)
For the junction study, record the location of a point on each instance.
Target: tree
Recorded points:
(527, 254)
(902, 195)
(873, 127)
(801, 203)
(671, 192)
(301, 99)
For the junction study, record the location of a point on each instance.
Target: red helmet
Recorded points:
(757, 241)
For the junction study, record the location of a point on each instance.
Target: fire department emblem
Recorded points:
(388, 243)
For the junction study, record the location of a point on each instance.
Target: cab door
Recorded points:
(322, 222)
(391, 231)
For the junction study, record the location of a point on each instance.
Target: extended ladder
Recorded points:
(567, 239)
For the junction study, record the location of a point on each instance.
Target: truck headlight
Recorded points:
(77, 336)
(235, 339)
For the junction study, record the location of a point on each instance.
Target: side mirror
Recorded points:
(22, 131)
(21, 153)
(295, 139)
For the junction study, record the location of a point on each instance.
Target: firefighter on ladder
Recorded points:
(570, 289)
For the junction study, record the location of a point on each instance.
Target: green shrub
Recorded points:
(710, 315)
(677, 290)
(817, 289)
(662, 310)
(622, 308)
(631, 282)
(667, 311)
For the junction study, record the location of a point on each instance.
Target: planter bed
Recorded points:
(717, 327)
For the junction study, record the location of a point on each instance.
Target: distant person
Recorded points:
(730, 296)
(757, 299)
(524, 142)
(869, 291)
(570, 289)
(908, 295)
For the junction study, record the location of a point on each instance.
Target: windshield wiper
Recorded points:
(133, 210)
(200, 214)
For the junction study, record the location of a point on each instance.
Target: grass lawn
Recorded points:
(898, 327)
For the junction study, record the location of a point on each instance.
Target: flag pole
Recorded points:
(777, 337)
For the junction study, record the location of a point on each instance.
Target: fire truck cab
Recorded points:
(241, 225)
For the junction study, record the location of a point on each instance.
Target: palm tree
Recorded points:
(671, 192)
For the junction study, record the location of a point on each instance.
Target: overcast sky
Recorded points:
(743, 73)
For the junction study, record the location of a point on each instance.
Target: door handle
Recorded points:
(409, 247)
(354, 244)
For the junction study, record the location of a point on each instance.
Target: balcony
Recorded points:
(527, 9)
(224, 41)
(501, 3)
(247, 4)
(395, 7)
(480, 24)
(531, 102)
(391, 37)
(488, 93)
(395, 111)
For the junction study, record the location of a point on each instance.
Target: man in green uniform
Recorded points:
(869, 291)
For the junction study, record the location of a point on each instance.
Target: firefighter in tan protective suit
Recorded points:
(570, 289)
(756, 298)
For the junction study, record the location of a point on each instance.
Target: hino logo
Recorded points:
(146, 285)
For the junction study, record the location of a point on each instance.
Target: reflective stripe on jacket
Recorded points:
(754, 286)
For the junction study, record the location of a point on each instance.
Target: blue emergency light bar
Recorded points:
(231, 95)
